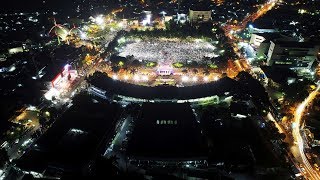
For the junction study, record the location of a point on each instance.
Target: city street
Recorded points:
(160, 89)
(297, 148)
(298, 126)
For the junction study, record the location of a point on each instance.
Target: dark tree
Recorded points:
(115, 69)
(4, 158)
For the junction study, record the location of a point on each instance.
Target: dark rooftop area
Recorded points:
(295, 44)
(201, 6)
(279, 75)
(74, 139)
(166, 131)
(274, 36)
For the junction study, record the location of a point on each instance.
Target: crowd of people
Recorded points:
(168, 51)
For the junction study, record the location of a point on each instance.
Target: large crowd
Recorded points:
(168, 51)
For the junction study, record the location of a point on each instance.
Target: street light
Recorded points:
(99, 20)
(185, 78)
(126, 77)
(145, 78)
(206, 78)
(136, 78)
(195, 79)
(83, 35)
(47, 113)
(115, 77)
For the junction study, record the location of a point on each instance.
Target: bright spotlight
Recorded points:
(145, 78)
(115, 77)
(148, 18)
(120, 25)
(136, 78)
(194, 79)
(83, 35)
(185, 78)
(99, 20)
(206, 78)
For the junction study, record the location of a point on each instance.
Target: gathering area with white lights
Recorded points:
(167, 50)
(175, 61)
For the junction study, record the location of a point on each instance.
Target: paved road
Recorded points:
(296, 132)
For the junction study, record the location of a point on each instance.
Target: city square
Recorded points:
(182, 89)
(168, 51)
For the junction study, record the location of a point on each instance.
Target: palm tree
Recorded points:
(4, 158)
(133, 71)
(195, 71)
(206, 72)
(115, 69)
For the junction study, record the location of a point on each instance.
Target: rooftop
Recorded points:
(272, 36)
(74, 139)
(166, 131)
(295, 44)
(201, 6)
(278, 75)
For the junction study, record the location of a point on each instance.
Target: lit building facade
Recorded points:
(199, 14)
(292, 54)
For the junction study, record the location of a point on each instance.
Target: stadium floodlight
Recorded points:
(99, 20)
(136, 78)
(185, 78)
(145, 78)
(83, 35)
(148, 18)
(115, 77)
(66, 67)
(195, 79)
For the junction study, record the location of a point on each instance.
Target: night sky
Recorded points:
(31, 5)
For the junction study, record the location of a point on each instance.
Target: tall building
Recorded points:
(292, 54)
(199, 13)
(261, 42)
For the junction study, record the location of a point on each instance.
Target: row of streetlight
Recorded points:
(136, 77)
(145, 78)
(195, 78)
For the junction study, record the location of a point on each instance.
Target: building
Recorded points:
(257, 39)
(261, 42)
(180, 18)
(167, 132)
(73, 142)
(199, 13)
(292, 54)
(277, 77)
(211, 91)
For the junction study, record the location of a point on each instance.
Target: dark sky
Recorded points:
(32, 5)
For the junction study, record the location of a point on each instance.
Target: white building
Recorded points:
(257, 39)
(261, 42)
(199, 13)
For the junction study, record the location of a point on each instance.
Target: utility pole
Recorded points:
(179, 2)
